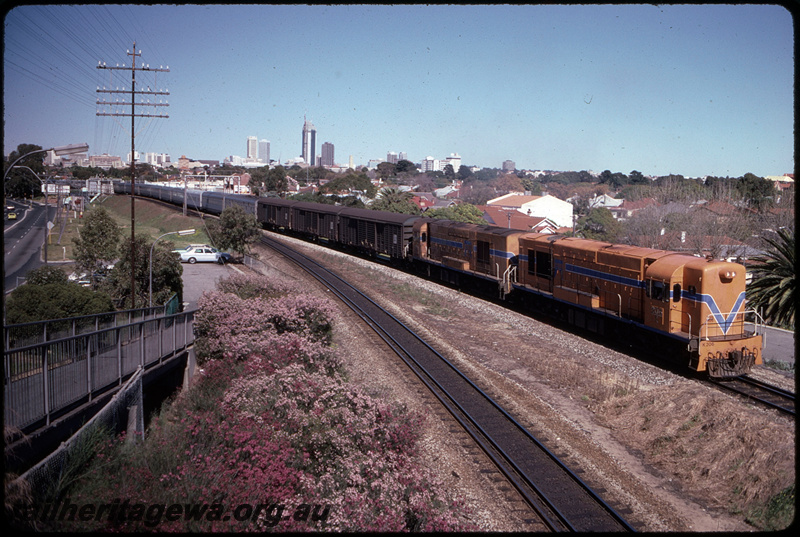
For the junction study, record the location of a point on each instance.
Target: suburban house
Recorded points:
(427, 200)
(513, 219)
(628, 208)
(781, 182)
(559, 212)
(604, 200)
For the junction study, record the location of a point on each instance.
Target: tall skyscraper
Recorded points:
(252, 147)
(263, 151)
(327, 154)
(309, 143)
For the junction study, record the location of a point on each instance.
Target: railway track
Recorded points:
(554, 492)
(771, 396)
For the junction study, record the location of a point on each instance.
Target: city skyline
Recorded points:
(687, 89)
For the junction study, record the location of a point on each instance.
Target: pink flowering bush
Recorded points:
(268, 420)
(253, 286)
(356, 452)
(231, 327)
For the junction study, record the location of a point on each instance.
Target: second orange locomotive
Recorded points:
(694, 302)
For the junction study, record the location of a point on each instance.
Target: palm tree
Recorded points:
(396, 201)
(773, 285)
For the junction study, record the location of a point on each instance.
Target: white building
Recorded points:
(557, 211)
(430, 164)
(454, 160)
(157, 159)
(263, 151)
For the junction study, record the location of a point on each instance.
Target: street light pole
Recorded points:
(60, 150)
(182, 233)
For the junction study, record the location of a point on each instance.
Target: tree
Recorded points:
(97, 241)
(463, 173)
(636, 178)
(53, 299)
(46, 274)
(405, 166)
(599, 224)
(235, 230)
(463, 212)
(507, 183)
(396, 201)
(385, 170)
(349, 183)
(449, 172)
(167, 273)
(756, 191)
(773, 286)
(276, 180)
(477, 194)
(20, 182)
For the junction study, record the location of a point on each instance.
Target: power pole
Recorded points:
(133, 115)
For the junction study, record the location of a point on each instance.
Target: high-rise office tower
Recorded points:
(327, 154)
(309, 142)
(263, 151)
(252, 147)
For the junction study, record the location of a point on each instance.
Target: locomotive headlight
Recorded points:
(727, 275)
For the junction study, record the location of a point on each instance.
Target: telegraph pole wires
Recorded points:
(133, 115)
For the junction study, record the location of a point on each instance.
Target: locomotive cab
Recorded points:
(727, 337)
(420, 242)
(703, 302)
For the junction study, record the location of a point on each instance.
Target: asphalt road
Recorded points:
(22, 244)
(201, 277)
(780, 345)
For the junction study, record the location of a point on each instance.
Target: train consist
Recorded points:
(689, 307)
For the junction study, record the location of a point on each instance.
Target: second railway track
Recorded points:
(561, 500)
(771, 396)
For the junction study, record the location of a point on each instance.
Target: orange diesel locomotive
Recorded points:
(695, 303)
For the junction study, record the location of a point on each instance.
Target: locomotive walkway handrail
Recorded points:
(758, 324)
(42, 380)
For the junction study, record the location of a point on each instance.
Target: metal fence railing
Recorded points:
(25, 334)
(44, 378)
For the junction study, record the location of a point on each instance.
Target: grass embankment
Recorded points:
(152, 220)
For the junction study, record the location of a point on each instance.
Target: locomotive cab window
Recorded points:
(657, 291)
(484, 250)
(543, 266)
(676, 292)
(423, 237)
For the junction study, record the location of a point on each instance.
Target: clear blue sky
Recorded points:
(690, 89)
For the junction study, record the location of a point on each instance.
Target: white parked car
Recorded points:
(199, 253)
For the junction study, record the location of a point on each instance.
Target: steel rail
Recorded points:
(505, 462)
(755, 389)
